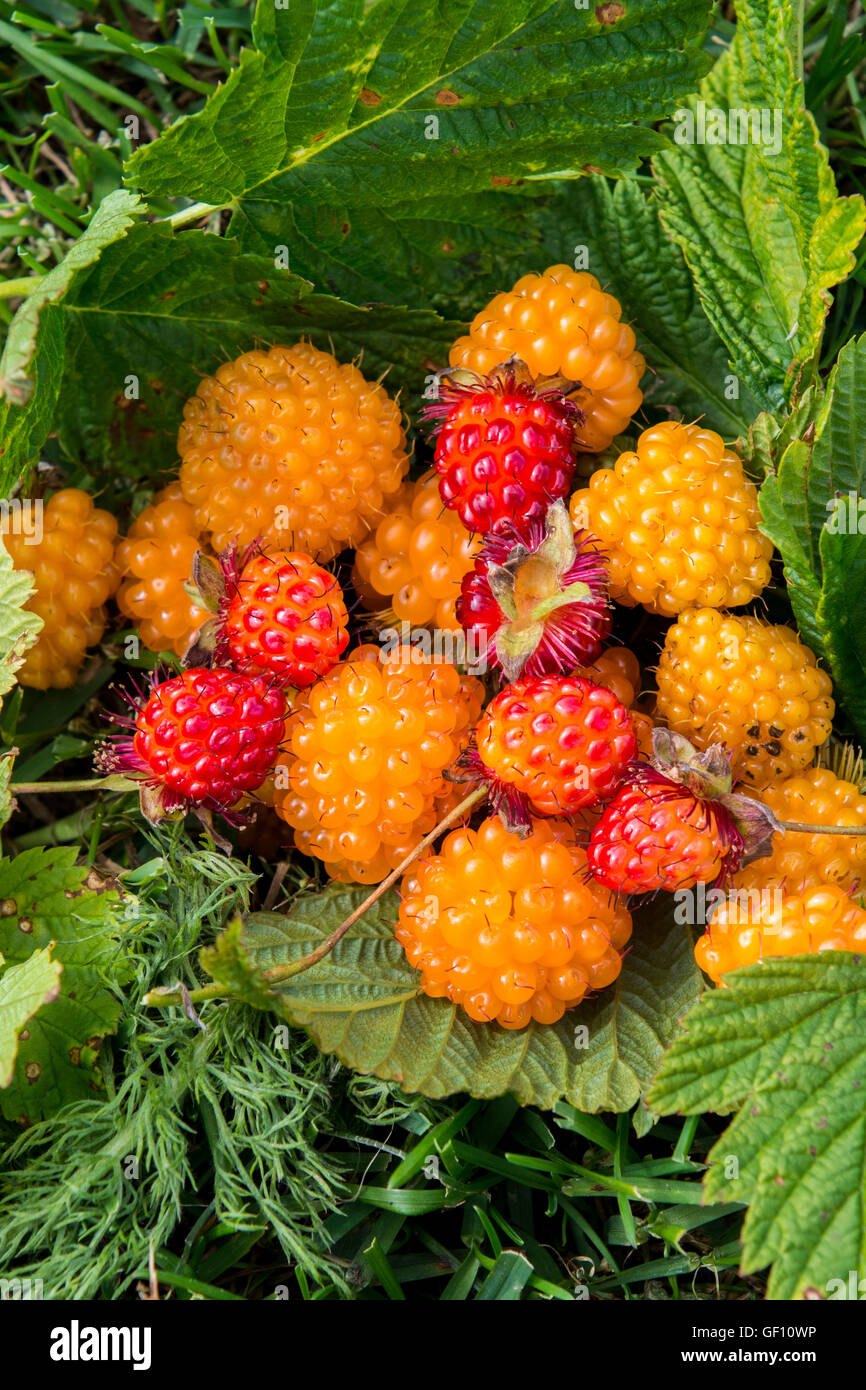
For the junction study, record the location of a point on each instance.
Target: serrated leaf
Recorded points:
(43, 899)
(24, 988)
(363, 1004)
(762, 228)
(335, 105)
(785, 1044)
(30, 380)
(811, 510)
(839, 618)
(632, 255)
(7, 801)
(147, 317)
(19, 628)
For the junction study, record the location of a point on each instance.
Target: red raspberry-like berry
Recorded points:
(202, 739)
(285, 616)
(655, 834)
(509, 928)
(536, 601)
(504, 451)
(554, 744)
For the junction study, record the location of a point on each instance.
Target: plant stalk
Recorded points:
(164, 998)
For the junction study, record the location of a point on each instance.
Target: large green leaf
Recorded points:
(631, 254)
(31, 368)
(19, 628)
(44, 899)
(363, 1004)
(785, 1045)
(760, 223)
(454, 254)
(24, 988)
(811, 509)
(376, 104)
(157, 310)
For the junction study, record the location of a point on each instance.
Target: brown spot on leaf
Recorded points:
(8, 907)
(32, 1071)
(24, 1035)
(169, 294)
(264, 286)
(609, 13)
(500, 181)
(94, 1043)
(75, 1056)
(368, 97)
(447, 246)
(445, 97)
(345, 229)
(25, 925)
(779, 1180)
(591, 169)
(323, 136)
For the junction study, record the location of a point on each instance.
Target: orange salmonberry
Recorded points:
(747, 684)
(799, 860)
(509, 928)
(72, 563)
(679, 522)
(415, 560)
(292, 447)
(562, 323)
(155, 563)
(754, 926)
(369, 746)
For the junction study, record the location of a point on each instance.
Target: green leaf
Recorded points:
(24, 989)
(7, 801)
(631, 254)
(762, 228)
(378, 104)
(785, 1044)
(507, 1279)
(31, 368)
(811, 510)
(44, 899)
(147, 317)
(19, 628)
(363, 1003)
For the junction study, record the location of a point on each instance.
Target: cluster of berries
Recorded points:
(599, 792)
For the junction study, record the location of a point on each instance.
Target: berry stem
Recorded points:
(804, 828)
(285, 972)
(115, 783)
(166, 997)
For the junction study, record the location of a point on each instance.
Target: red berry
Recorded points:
(285, 616)
(560, 743)
(503, 451)
(656, 834)
(203, 738)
